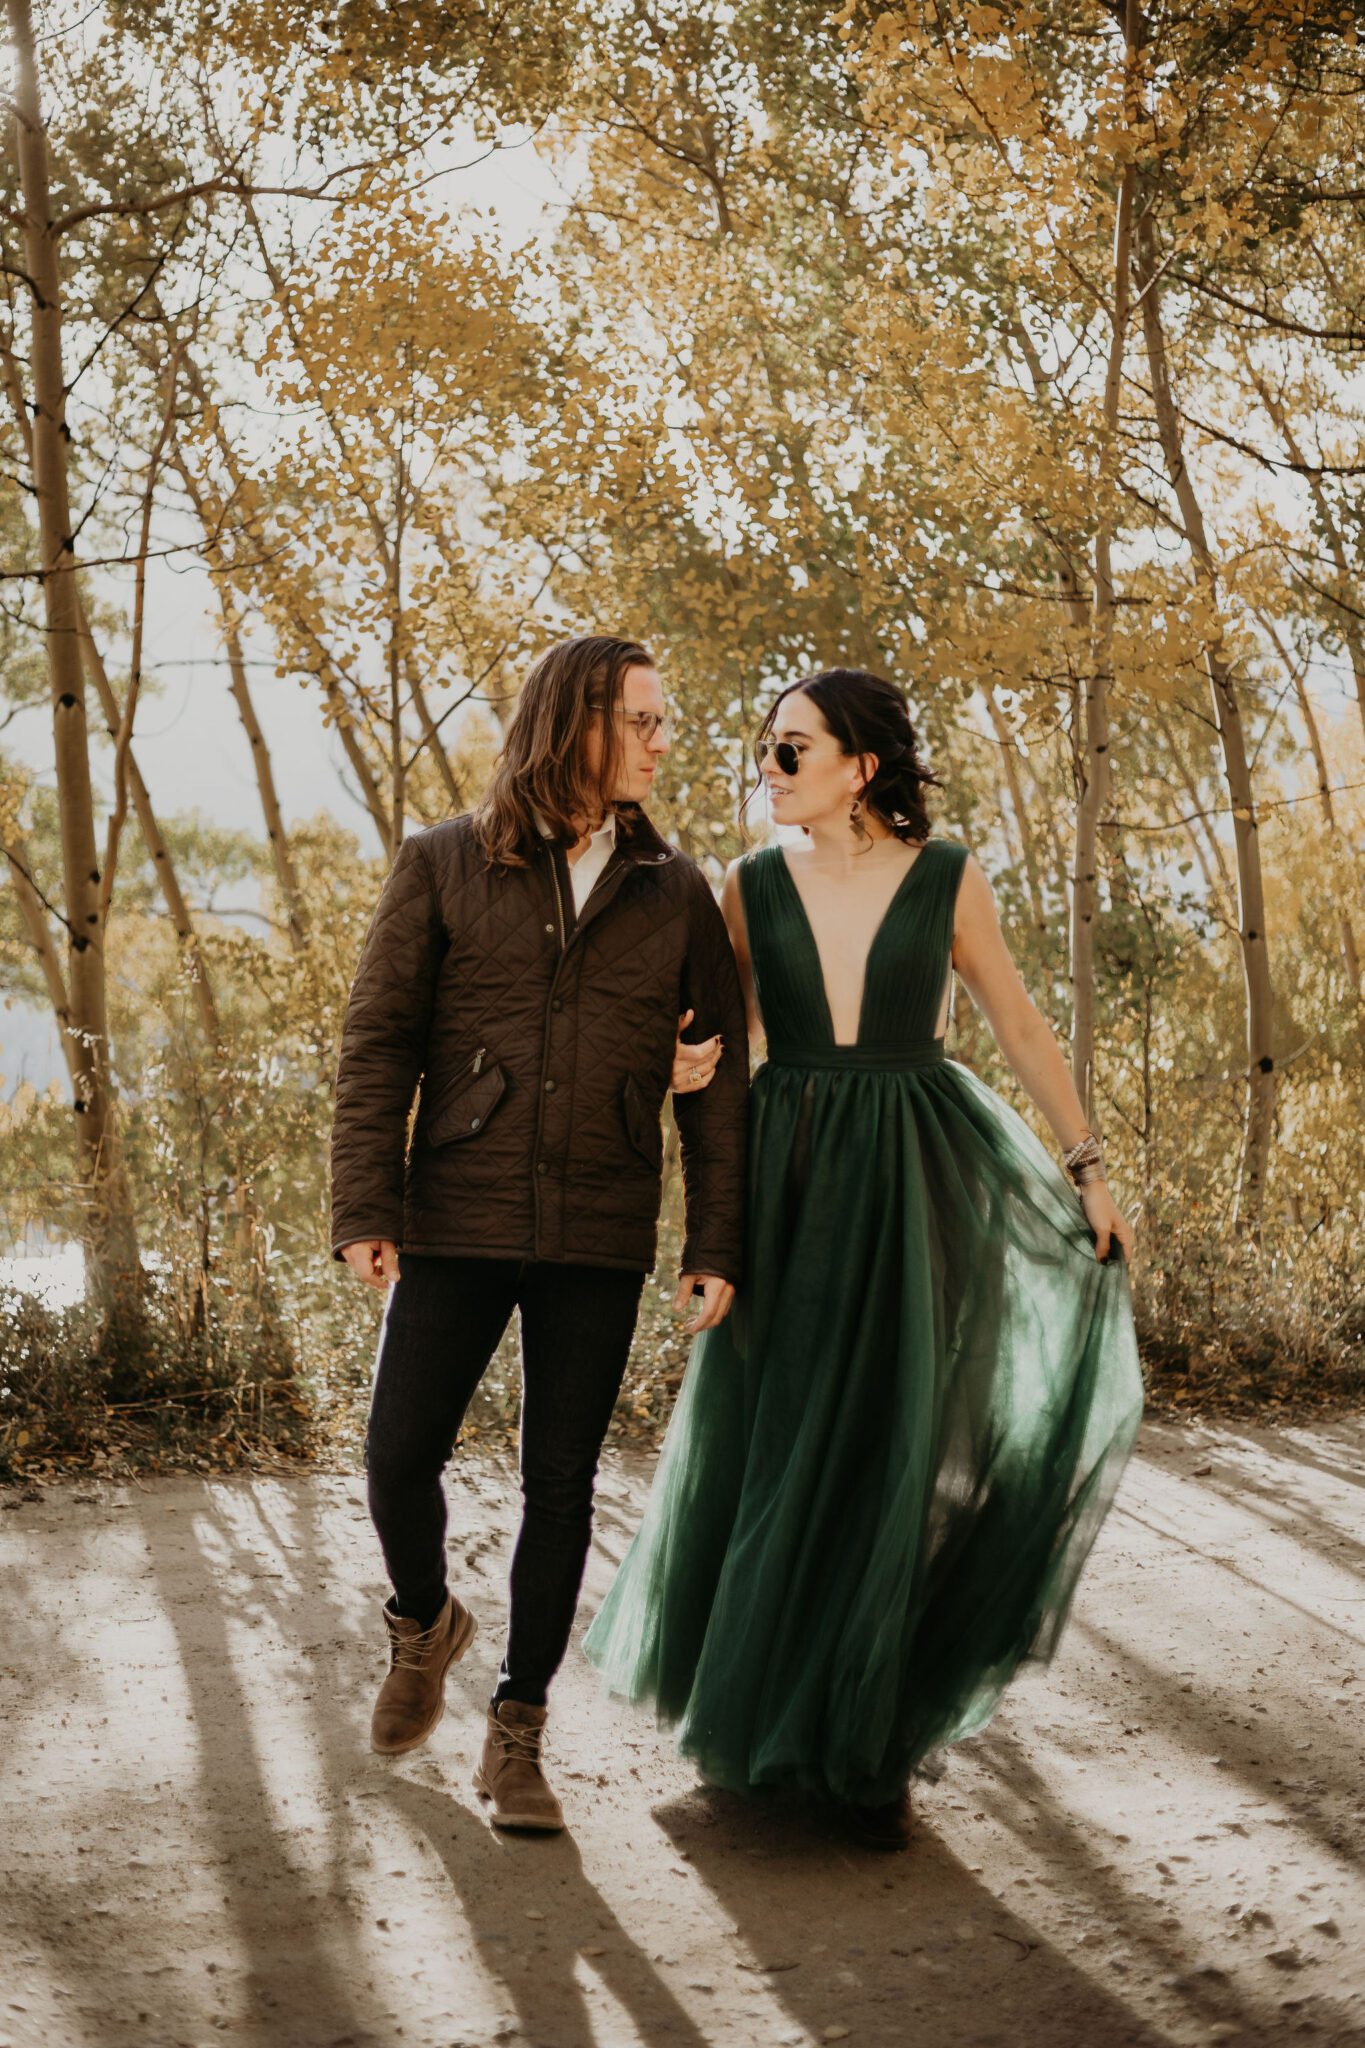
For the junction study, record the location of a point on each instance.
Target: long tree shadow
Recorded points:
(1337, 1452)
(1277, 1504)
(1021, 1799)
(337, 1642)
(498, 1881)
(291, 1969)
(1253, 1753)
(1229, 1568)
(62, 1897)
(910, 1948)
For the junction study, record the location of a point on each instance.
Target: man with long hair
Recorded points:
(527, 965)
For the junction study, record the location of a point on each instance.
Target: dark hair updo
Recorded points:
(868, 715)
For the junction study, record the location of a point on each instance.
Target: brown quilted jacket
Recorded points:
(543, 1046)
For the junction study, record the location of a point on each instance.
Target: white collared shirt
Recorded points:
(584, 872)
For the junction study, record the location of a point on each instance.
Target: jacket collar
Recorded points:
(638, 841)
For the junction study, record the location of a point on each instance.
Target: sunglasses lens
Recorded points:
(787, 757)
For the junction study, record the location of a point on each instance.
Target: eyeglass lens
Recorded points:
(647, 723)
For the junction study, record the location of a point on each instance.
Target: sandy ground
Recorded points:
(1157, 1840)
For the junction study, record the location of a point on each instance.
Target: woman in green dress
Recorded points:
(886, 1469)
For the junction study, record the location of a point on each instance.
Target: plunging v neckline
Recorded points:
(899, 891)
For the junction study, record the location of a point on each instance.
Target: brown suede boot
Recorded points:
(883, 1827)
(412, 1698)
(510, 1772)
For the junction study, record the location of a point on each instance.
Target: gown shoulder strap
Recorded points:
(760, 877)
(939, 900)
(948, 857)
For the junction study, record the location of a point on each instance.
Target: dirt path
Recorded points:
(1157, 1841)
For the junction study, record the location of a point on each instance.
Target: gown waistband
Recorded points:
(906, 1052)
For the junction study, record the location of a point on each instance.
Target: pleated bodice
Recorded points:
(907, 964)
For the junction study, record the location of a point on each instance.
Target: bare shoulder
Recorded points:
(974, 889)
(977, 935)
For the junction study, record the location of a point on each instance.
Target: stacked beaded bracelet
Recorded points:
(1085, 1161)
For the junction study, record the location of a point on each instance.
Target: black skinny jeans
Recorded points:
(444, 1321)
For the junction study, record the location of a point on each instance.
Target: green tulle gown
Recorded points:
(886, 1469)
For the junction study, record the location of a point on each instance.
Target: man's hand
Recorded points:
(694, 1066)
(716, 1297)
(373, 1260)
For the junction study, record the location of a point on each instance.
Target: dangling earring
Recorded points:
(855, 819)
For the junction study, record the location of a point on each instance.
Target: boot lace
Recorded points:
(410, 1651)
(522, 1743)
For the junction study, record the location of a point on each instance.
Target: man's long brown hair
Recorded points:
(543, 767)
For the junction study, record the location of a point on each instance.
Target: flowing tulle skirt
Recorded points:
(886, 1469)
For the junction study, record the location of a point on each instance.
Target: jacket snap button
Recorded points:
(541, 1167)
(549, 928)
(549, 1087)
(556, 1005)
(474, 1123)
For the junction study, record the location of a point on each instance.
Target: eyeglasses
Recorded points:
(785, 752)
(644, 724)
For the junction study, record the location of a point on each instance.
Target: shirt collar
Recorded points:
(606, 830)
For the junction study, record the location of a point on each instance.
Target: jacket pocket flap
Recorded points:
(466, 1112)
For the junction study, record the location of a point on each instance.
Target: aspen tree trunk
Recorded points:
(182, 918)
(1093, 738)
(113, 1269)
(1349, 623)
(163, 866)
(154, 840)
(1349, 949)
(281, 853)
(40, 937)
(1260, 1100)
(1009, 755)
(123, 737)
(1079, 612)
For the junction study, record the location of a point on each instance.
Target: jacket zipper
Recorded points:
(471, 1066)
(611, 873)
(545, 1054)
(559, 905)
